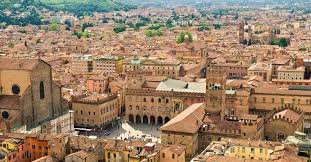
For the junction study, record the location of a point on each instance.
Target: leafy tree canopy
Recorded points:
(182, 35)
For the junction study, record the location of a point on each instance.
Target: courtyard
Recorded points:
(129, 131)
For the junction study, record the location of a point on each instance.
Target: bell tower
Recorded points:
(241, 32)
(215, 90)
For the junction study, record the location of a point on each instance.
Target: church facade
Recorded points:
(28, 95)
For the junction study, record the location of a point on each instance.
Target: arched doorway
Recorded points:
(145, 119)
(138, 119)
(280, 136)
(166, 119)
(131, 118)
(152, 120)
(160, 120)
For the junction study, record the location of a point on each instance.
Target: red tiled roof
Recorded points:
(192, 117)
(288, 113)
(18, 64)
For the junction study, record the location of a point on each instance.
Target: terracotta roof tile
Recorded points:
(192, 117)
(18, 64)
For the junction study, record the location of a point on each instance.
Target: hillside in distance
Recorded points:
(82, 7)
(78, 7)
(174, 3)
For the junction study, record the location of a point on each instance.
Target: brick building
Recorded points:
(95, 111)
(28, 94)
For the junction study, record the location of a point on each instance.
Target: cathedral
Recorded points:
(28, 95)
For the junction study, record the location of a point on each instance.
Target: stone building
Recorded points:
(183, 129)
(95, 111)
(289, 119)
(108, 65)
(98, 84)
(28, 95)
(157, 101)
(82, 64)
(81, 156)
(289, 73)
(158, 66)
(24, 147)
(261, 69)
(241, 150)
(173, 153)
(229, 112)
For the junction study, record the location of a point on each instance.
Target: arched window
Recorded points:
(42, 95)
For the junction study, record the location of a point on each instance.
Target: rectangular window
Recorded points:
(261, 151)
(243, 149)
(298, 101)
(252, 150)
(173, 156)
(282, 100)
(163, 155)
(232, 150)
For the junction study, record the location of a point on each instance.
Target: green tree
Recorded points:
(149, 33)
(181, 37)
(82, 34)
(155, 27)
(217, 26)
(139, 24)
(68, 23)
(153, 33)
(86, 25)
(54, 27)
(283, 42)
(169, 24)
(119, 29)
(274, 42)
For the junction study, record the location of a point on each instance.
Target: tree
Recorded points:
(153, 33)
(139, 24)
(155, 27)
(217, 26)
(68, 23)
(283, 42)
(274, 42)
(54, 27)
(202, 27)
(82, 34)
(149, 33)
(181, 37)
(169, 24)
(86, 25)
(119, 29)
